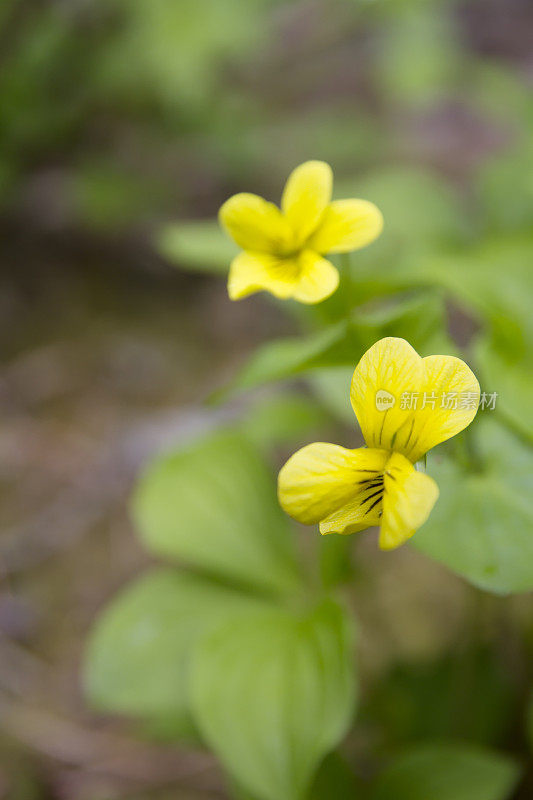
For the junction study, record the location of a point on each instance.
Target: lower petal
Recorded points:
(360, 513)
(321, 478)
(347, 225)
(318, 278)
(254, 272)
(407, 502)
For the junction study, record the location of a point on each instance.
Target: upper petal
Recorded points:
(347, 225)
(318, 278)
(390, 368)
(450, 399)
(305, 197)
(255, 224)
(321, 478)
(253, 272)
(407, 502)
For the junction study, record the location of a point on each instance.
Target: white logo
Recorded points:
(384, 400)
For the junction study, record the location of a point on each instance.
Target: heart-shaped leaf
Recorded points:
(273, 693)
(139, 651)
(214, 507)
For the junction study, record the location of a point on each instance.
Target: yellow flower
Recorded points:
(405, 405)
(283, 249)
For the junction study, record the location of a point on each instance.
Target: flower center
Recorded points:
(374, 489)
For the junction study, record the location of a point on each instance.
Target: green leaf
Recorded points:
(481, 524)
(139, 650)
(508, 371)
(284, 358)
(273, 694)
(418, 319)
(200, 246)
(214, 506)
(453, 771)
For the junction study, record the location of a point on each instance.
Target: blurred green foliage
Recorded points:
(164, 50)
(419, 319)
(262, 671)
(445, 772)
(452, 274)
(273, 693)
(482, 529)
(455, 687)
(199, 244)
(153, 625)
(246, 537)
(266, 680)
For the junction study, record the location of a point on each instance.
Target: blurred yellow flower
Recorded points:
(405, 405)
(283, 249)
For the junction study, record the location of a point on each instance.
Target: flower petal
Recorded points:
(305, 197)
(390, 368)
(453, 384)
(318, 278)
(254, 272)
(256, 224)
(407, 503)
(321, 478)
(347, 225)
(359, 514)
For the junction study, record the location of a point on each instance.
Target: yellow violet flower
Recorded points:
(283, 249)
(405, 405)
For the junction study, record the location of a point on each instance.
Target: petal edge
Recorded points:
(321, 478)
(256, 272)
(409, 497)
(318, 278)
(306, 196)
(388, 369)
(255, 224)
(347, 225)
